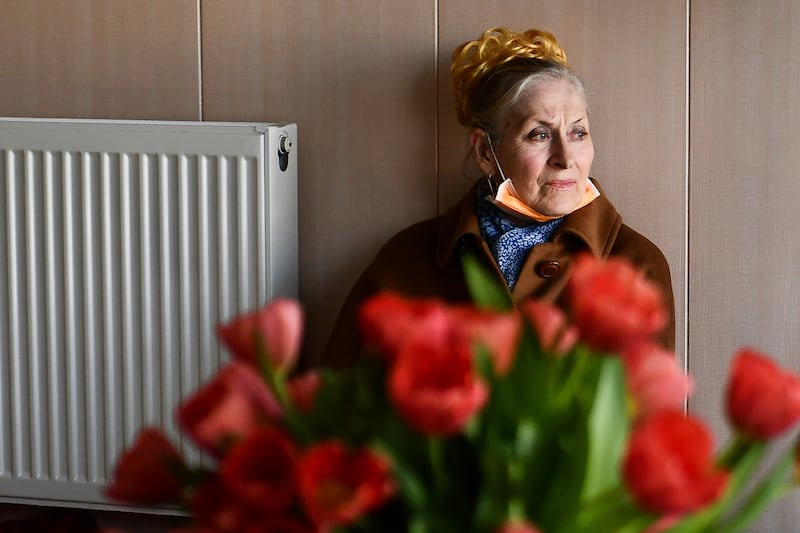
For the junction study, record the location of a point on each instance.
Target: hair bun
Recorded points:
(473, 60)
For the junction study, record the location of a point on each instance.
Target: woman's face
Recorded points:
(546, 150)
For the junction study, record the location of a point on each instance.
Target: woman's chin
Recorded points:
(558, 207)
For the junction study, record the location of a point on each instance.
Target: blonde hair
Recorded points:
(511, 61)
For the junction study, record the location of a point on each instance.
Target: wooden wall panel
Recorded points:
(634, 69)
(358, 78)
(94, 58)
(745, 192)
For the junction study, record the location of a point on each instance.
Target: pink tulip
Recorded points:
(229, 406)
(497, 332)
(549, 322)
(277, 329)
(654, 379)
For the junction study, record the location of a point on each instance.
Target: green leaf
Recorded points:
(333, 399)
(559, 467)
(612, 510)
(636, 524)
(412, 487)
(607, 429)
(484, 287)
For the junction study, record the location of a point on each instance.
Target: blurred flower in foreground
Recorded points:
(556, 336)
(147, 473)
(518, 527)
(276, 330)
(613, 304)
(654, 379)
(339, 485)
(434, 384)
(669, 465)
(261, 469)
(235, 401)
(461, 418)
(762, 399)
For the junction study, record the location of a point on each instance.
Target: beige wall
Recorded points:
(744, 193)
(699, 159)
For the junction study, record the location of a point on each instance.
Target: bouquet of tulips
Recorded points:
(471, 418)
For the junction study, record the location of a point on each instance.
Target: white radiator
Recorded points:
(122, 245)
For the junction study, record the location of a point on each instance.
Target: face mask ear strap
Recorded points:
(494, 156)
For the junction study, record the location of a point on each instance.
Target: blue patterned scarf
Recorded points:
(509, 241)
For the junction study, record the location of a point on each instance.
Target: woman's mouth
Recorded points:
(560, 185)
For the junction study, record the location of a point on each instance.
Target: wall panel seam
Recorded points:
(436, 105)
(687, 183)
(200, 60)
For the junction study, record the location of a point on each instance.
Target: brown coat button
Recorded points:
(548, 269)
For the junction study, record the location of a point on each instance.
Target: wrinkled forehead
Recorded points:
(552, 102)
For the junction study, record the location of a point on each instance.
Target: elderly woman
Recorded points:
(536, 207)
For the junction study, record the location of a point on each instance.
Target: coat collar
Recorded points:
(595, 225)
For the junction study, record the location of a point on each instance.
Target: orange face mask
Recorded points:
(508, 199)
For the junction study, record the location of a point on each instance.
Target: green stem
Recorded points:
(773, 487)
(292, 418)
(742, 458)
(574, 379)
(436, 459)
(733, 452)
(746, 517)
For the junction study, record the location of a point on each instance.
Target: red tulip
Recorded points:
(217, 509)
(339, 485)
(277, 329)
(303, 389)
(762, 399)
(146, 473)
(262, 469)
(613, 304)
(554, 334)
(654, 379)
(388, 320)
(434, 385)
(227, 407)
(669, 464)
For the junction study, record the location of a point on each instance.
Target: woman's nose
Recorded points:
(560, 153)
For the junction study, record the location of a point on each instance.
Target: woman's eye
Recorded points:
(538, 135)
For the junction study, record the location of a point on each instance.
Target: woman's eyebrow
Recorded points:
(551, 124)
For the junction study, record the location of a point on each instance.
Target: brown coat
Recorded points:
(424, 260)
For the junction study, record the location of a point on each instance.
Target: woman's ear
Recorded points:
(479, 141)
